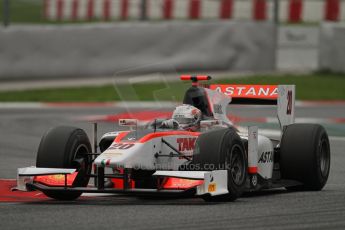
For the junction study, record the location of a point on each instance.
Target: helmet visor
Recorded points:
(184, 120)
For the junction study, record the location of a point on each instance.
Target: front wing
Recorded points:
(212, 183)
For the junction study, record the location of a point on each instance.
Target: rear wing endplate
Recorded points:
(281, 95)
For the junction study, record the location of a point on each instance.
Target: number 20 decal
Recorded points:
(289, 104)
(121, 146)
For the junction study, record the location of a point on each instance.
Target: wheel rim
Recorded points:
(80, 157)
(324, 157)
(82, 163)
(236, 163)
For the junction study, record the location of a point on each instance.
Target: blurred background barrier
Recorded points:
(298, 48)
(104, 49)
(291, 10)
(332, 47)
(57, 11)
(71, 38)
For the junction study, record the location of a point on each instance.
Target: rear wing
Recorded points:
(249, 94)
(281, 95)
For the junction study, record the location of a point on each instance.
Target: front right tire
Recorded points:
(223, 149)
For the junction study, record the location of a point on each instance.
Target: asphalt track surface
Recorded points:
(20, 133)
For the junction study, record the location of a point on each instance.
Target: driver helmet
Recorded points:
(187, 116)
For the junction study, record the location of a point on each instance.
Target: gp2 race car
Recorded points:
(216, 162)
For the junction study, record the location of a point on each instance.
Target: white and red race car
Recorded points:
(216, 162)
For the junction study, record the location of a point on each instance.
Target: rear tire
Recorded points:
(222, 148)
(305, 156)
(66, 147)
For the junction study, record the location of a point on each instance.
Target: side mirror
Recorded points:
(129, 122)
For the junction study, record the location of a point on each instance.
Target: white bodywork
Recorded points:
(127, 158)
(149, 155)
(265, 157)
(111, 134)
(215, 183)
(253, 144)
(260, 152)
(153, 154)
(143, 155)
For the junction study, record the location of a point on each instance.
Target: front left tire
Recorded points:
(66, 147)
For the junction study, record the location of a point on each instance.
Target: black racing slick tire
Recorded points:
(305, 156)
(66, 147)
(222, 149)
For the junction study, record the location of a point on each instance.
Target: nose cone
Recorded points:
(127, 155)
(117, 154)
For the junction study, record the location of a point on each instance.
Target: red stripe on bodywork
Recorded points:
(163, 134)
(121, 136)
(252, 170)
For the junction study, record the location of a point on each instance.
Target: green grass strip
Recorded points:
(320, 86)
